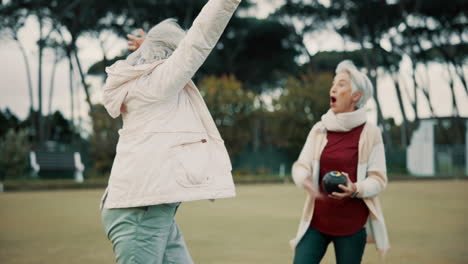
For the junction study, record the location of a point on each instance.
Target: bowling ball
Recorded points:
(331, 180)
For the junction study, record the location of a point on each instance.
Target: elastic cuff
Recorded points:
(359, 193)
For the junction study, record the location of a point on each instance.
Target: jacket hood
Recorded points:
(119, 76)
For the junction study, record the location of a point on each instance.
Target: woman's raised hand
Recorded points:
(134, 42)
(123, 109)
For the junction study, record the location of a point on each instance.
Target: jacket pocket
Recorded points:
(191, 161)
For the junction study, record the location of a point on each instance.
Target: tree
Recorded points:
(14, 151)
(61, 129)
(8, 121)
(387, 31)
(59, 54)
(304, 100)
(357, 21)
(433, 31)
(261, 53)
(44, 12)
(13, 20)
(103, 139)
(232, 109)
(77, 18)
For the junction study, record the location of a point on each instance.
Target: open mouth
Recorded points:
(332, 99)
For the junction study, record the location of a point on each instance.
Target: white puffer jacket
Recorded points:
(169, 148)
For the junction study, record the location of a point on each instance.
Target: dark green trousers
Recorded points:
(348, 249)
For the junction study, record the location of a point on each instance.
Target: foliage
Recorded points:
(14, 150)
(259, 52)
(305, 99)
(103, 139)
(328, 60)
(60, 129)
(8, 121)
(385, 32)
(263, 55)
(232, 109)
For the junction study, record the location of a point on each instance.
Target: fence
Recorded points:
(450, 160)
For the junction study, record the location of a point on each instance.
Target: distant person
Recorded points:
(342, 141)
(169, 149)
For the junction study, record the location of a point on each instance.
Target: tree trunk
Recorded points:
(371, 67)
(455, 109)
(426, 93)
(51, 95)
(39, 82)
(28, 72)
(28, 77)
(82, 77)
(72, 97)
(52, 84)
(372, 73)
(405, 131)
(428, 83)
(451, 60)
(415, 87)
(394, 73)
(72, 100)
(461, 75)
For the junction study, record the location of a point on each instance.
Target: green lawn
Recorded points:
(427, 221)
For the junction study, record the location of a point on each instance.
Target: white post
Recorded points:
(466, 147)
(282, 170)
(79, 168)
(420, 156)
(36, 168)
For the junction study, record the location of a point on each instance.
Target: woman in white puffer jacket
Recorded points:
(169, 150)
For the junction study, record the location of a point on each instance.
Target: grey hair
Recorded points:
(359, 81)
(159, 44)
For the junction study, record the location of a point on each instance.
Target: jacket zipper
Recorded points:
(198, 141)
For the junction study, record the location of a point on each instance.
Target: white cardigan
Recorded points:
(371, 180)
(169, 148)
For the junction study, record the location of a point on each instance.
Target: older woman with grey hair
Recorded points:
(169, 149)
(342, 141)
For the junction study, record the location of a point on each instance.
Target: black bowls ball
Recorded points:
(331, 180)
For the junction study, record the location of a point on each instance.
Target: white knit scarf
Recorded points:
(344, 122)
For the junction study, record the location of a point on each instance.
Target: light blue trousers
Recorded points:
(146, 235)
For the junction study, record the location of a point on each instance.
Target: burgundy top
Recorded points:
(349, 215)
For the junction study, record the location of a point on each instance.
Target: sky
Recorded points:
(14, 89)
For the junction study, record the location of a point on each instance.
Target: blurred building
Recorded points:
(439, 148)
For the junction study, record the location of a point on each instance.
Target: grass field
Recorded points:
(427, 222)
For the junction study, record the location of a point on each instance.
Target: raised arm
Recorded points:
(172, 76)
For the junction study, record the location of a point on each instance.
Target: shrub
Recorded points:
(14, 149)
